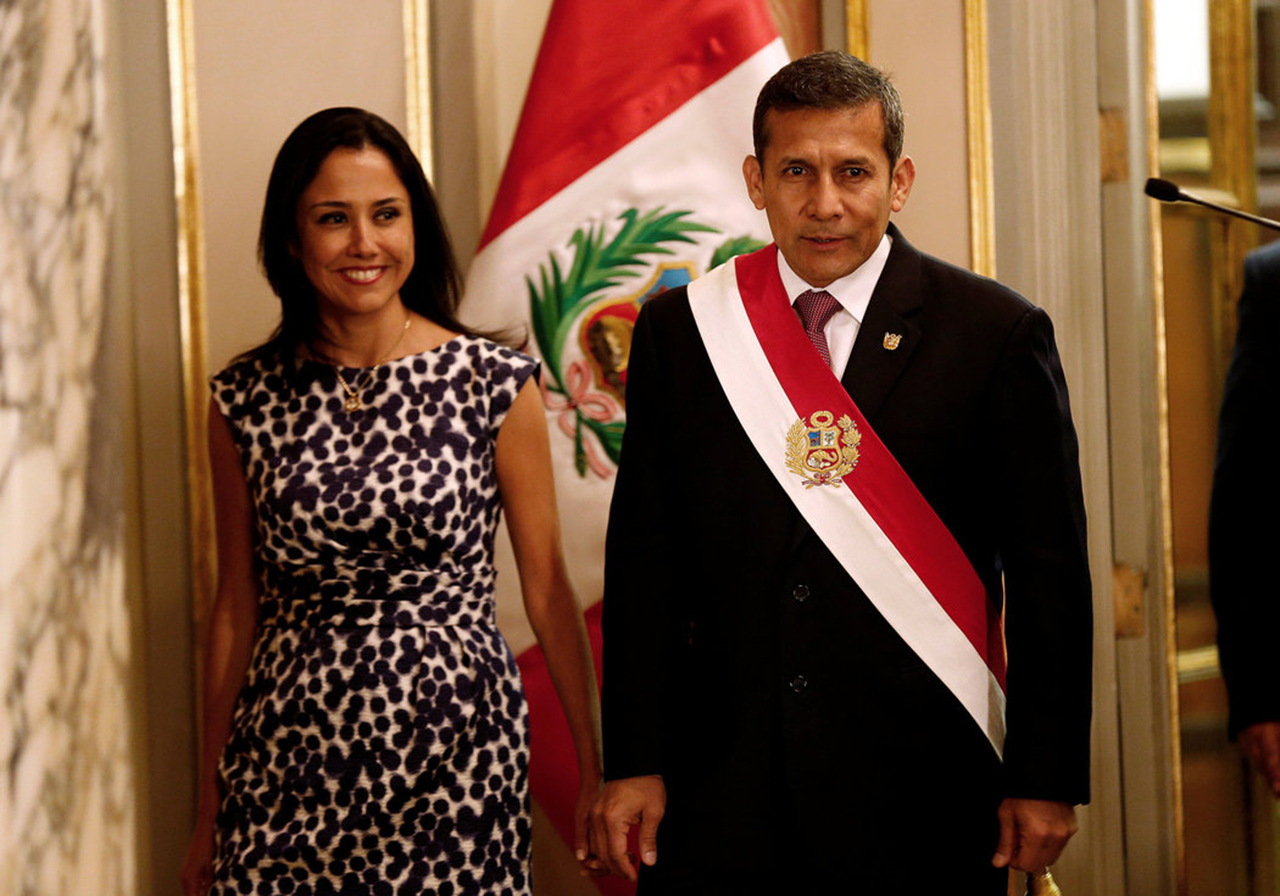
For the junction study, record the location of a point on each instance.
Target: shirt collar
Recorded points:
(853, 290)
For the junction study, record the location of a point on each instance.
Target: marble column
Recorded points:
(67, 813)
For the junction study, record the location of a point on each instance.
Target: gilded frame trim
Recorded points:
(1232, 152)
(417, 72)
(192, 312)
(982, 228)
(857, 27)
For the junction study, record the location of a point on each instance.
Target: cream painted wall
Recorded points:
(507, 34)
(930, 77)
(260, 68)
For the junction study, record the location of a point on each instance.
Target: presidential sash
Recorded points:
(847, 485)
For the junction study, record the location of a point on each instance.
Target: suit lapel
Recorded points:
(873, 367)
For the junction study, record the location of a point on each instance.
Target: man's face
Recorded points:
(826, 185)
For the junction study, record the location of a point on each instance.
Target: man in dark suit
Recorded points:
(767, 727)
(1246, 480)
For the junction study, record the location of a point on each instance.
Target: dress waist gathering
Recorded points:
(302, 597)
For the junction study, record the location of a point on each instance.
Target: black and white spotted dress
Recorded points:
(380, 742)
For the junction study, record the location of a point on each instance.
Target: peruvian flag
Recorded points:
(624, 179)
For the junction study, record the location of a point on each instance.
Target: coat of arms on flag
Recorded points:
(571, 309)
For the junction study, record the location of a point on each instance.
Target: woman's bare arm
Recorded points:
(232, 628)
(523, 462)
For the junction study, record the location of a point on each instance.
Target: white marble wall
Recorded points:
(66, 775)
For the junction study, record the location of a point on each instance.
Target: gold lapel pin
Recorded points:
(892, 340)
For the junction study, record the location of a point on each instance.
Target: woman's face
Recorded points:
(355, 233)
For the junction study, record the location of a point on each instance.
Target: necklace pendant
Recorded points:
(352, 403)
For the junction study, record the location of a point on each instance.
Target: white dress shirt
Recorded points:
(852, 291)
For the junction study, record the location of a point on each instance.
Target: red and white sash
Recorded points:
(847, 485)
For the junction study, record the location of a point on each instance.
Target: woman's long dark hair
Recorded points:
(433, 287)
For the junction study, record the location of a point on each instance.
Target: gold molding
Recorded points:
(1232, 149)
(191, 303)
(417, 72)
(857, 28)
(982, 233)
(1156, 248)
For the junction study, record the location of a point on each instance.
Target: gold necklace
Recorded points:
(353, 402)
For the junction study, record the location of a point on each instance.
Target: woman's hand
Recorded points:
(588, 792)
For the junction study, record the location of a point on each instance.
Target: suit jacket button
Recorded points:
(799, 683)
(800, 593)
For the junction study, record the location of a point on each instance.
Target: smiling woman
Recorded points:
(355, 240)
(356, 679)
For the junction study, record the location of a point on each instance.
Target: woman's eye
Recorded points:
(388, 214)
(333, 218)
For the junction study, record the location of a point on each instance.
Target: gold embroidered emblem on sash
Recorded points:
(821, 453)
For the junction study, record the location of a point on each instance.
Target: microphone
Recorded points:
(1168, 191)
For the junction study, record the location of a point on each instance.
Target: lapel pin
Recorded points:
(892, 340)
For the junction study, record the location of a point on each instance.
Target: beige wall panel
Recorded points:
(930, 76)
(260, 69)
(507, 34)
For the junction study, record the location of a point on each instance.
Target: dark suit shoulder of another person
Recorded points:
(1243, 527)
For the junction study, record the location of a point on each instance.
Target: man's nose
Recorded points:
(824, 201)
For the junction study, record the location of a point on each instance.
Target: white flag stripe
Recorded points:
(691, 160)
(682, 162)
(835, 514)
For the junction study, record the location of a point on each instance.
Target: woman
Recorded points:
(364, 727)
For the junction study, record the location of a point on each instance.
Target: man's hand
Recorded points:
(624, 803)
(1261, 743)
(1032, 834)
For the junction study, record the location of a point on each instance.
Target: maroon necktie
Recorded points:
(816, 307)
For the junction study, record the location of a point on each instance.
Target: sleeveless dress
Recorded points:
(379, 744)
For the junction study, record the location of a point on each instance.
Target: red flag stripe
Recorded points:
(553, 769)
(605, 74)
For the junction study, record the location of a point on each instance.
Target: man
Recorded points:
(814, 524)
(1245, 477)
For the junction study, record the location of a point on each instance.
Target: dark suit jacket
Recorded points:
(1246, 479)
(741, 662)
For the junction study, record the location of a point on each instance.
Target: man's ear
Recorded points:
(754, 177)
(904, 175)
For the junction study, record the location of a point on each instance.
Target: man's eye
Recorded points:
(856, 172)
(793, 170)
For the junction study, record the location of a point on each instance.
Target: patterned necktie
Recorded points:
(816, 307)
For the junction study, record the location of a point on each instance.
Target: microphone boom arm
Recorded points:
(1167, 191)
